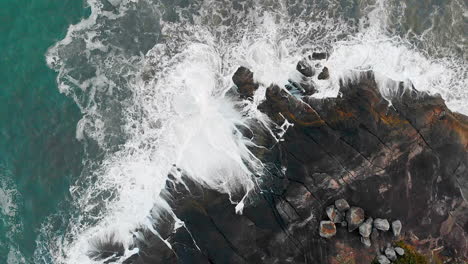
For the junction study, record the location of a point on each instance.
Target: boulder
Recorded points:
(381, 224)
(333, 214)
(324, 75)
(305, 68)
(400, 251)
(366, 241)
(354, 217)
(365, 229)
(342, 205)
(327, 229)
(319, 56)
(243, 79)
(396, 227)
(381, 259)
(390, 253)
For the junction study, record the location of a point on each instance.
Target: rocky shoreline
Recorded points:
(407, 161)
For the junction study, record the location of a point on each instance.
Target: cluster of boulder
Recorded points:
(390, 254)
(353, 218)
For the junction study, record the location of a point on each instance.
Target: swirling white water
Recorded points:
(151, 78)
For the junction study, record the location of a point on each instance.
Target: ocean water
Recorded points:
(39, 153)
(141, 85)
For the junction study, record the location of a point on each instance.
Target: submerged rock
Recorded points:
(354, 217)
(396, 227)
(342, 205)
(327, 229)
(381, 224)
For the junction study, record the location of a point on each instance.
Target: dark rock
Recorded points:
(381, 224)
(243, 79)
(365, 229)
(305, 68)
(381, 259)
(400, 251)
(390, 253)
(333, 214)
(324, 75)
(319, 55)
(354, 217)
(308, 87)
(396, 227)
(327, 229)
(342, 205)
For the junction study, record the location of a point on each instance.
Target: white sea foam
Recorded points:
(10, 215)
(171, 108)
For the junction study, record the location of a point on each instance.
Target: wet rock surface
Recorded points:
(401, 162)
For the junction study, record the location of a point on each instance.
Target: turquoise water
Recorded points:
(39, 154)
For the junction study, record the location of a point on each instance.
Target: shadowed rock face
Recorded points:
(407, 161)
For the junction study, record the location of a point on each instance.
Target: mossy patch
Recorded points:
(411, 255)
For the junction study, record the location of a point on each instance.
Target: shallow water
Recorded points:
(150, 80)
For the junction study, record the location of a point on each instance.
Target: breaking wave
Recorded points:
(152, 79)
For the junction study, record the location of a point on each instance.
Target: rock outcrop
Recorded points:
(405, 161)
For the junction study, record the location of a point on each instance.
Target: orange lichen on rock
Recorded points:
(344, 115)
(392, 120)
(459, 124)
(292, 117)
